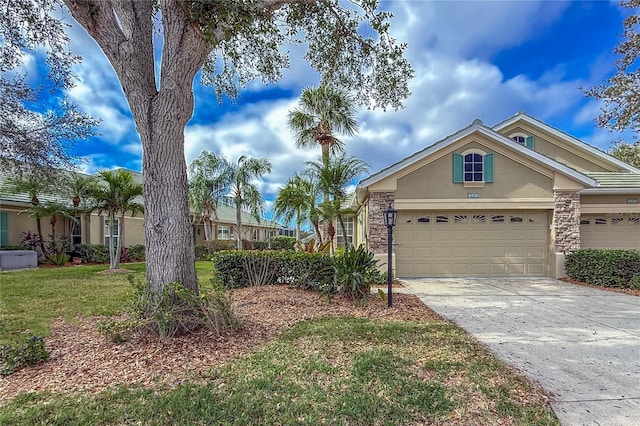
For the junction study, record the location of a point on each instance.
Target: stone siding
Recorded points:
(377, 232)
(566, 222)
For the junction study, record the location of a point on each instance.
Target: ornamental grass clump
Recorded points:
(354, 272)
(173, 311)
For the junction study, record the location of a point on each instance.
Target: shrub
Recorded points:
(235, 269)
(354, 272)
(203, 251)
(635, 282)
(136, 253)
(260, 245)
(98, 253)
(14, 247)
(609, 268)
(94, 253)
(172, 311)
(31, 352)
(59, 259)
(282, 242)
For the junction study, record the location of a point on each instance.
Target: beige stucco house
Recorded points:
(508, 200)
(95, 228)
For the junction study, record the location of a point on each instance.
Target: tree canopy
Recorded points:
(29, 135)
(620, 94)
(231, 42)
(627, 152)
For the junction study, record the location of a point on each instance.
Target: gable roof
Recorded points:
(522, 116)
(479, 127)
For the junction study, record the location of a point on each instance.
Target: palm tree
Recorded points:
(293, 202)
(243, 193)
(80, 188)
(209, 180)
(333, 178)
(117, 196)
(322, 112)
(34, 186)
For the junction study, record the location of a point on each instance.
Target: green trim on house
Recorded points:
(488, 168)
(4, 228)
(530, 142)
(458, 168)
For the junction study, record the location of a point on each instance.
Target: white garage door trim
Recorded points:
(464, 243)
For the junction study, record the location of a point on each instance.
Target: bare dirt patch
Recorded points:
(83, 360)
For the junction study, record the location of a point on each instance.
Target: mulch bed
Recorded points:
(628, 291)
(83, 360)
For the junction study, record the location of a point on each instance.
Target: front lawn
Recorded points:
(34, 299)
(298, 360)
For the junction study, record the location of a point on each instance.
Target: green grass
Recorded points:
(33, 300)
(327, 371)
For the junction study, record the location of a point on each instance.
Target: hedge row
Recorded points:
(608, 268)
(235, 269)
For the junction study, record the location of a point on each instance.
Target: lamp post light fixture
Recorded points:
(390, 216)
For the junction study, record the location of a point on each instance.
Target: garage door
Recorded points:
(610, 231)
(436, 244)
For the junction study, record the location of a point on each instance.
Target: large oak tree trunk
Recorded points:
(168, 232)
(126, 38)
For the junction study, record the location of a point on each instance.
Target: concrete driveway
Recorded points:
(580, 344)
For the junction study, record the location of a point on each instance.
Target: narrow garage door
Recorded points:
(436, 244)
(610, 231)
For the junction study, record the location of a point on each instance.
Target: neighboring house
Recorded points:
(96, 229)
(508, 200)
(88, 229)
(224, 226)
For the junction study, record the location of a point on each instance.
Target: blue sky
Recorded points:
(485, 60)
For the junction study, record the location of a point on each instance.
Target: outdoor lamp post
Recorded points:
(390, 216)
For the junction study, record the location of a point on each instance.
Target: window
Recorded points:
(224, 233)
(497, 218)
(516, 219)
(111, 231)
(460, 218)
(479, 218)
(472, 166)
(256, 235)
(634, 220)
(348, 224)
(585, 221)
(76, 231)
(424, 219)
(601, 221)
(616, 220)
(442, 219)
(522, 139)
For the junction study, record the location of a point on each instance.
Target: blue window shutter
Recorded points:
(458, 166)
(529, 142)
(488, 167)
(4, 228)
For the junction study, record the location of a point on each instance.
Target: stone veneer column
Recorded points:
(566, 221)
(377, 232)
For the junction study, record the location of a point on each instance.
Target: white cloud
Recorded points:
(451, 46)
